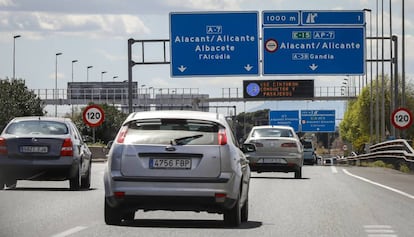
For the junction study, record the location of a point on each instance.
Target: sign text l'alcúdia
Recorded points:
(215, 47)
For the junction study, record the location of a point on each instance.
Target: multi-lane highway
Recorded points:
(327, 201)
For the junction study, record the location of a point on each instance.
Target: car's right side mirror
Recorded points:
(248, 147)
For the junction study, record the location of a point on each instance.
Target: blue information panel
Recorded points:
(318, 120)
(311, 50)
(339, 18)
(214, 44)
(285, 118)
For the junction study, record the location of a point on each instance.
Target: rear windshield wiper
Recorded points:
(185, 140)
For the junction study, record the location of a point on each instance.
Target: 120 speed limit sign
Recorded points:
(402, 118)
(93, 115)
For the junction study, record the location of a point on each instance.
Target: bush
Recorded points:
(404, 168)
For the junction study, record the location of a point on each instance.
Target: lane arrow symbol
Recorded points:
(182, 68)
(313, 67)
(248, 67)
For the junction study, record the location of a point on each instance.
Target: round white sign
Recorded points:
(93, 115)
(401, 118)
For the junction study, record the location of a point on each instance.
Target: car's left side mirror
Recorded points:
(248, 147)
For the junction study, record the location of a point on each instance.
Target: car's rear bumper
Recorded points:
(275, 163)
(204, 194)
(263, 167)
(38, 169)
(170, 203)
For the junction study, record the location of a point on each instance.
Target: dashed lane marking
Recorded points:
(70, 231)
(379, 231)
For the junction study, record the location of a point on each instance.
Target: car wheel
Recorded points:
(1, 184)
(112, 215)
(129, 216)
(232, 217)
(298, 173)
(11, 184)
(74, 182)
(245, 211)
(86, 181)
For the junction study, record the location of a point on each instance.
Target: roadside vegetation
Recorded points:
(355, 127)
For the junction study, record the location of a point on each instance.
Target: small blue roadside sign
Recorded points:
(281, 18)
(318, 120)
(314, 50)
(214, 44)
(285, 118)
(339, 18)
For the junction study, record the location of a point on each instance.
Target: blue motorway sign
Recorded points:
(214, 44)
(314, 50)
(285, 118)
(339, 18)
(318, 120)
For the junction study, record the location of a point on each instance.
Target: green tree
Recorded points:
(109, 128)
(16, 100)
(355, 127)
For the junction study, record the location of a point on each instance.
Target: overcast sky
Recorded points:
(95, 32)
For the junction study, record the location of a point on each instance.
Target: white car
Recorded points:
(278, 149)
(177, 161)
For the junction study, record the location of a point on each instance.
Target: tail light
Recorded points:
(122, 134)
(3, 146)
(222, 136)
(67, 148)
(289, 144)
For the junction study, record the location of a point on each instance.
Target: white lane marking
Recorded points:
(379, 231)
(334, 170)
(380, 185)
(70, 231)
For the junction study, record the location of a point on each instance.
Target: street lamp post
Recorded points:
(114, 77)
(73, 61)
(14, 55)
(87, 72)
(102, 75)
(56, 92)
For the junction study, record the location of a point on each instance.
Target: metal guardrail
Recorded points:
(395, 152)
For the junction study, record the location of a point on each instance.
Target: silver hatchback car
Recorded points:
(278, 149)
(177, 161)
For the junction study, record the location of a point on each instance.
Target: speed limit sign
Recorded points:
(402, 118)
(93, 115)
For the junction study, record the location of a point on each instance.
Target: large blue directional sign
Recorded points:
(285, 118)
(318, 120)
(323, 43)
(214, 44)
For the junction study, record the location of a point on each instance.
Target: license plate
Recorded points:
(33, 149)
(156, 163)
(272, 160)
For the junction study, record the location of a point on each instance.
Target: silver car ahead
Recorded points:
(278, 149)
(44, 148)
(177, 161)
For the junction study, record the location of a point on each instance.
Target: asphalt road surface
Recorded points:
(327, 201)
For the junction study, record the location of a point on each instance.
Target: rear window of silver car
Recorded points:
(272, 132)
(37, 127)
(173, 132)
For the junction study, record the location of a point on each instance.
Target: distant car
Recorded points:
(278, 149)
(44, 148)
(176, 161)
(309, 156)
